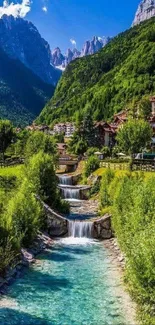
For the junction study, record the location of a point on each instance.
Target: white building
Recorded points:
(153, 105)
(66, 128)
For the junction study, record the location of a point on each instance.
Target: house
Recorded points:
(104, 133)
(152, 99)
(70, 129)
(62, 147)
(120, 118)
(41, 128)
(59, 128)
(66, 128)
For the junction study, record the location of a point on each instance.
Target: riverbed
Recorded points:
(71, 284)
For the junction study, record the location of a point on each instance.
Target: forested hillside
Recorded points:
(22, 93)
(123, 71)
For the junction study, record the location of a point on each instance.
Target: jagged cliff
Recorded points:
(90, 47)
(146, 10)
(21, 40)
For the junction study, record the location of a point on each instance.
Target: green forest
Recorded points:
(115, 78)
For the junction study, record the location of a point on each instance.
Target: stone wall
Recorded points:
(57, 226)
(103, 228)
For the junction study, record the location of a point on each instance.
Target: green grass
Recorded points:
(11, 171)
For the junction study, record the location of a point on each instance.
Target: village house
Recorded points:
(152, 99)
(66, 128)
(105, 133)
(41, 128)
(62, 147)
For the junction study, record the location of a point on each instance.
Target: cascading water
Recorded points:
(70, 193)
(65, 180)
(79, 229)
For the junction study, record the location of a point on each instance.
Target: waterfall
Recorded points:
(71, 193)
(79, 229)
(65, 180)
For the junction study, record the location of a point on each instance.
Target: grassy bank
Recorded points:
(130, 197)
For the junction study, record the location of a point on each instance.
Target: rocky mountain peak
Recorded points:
(21, 40)
(146, 10)
(90, 47)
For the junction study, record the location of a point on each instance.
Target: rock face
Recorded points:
(21, 40)
(57, 57)
(89, 48)
(146, 10)
(103, 228)
(57, 226)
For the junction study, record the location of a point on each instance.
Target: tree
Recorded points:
(133, 136)
(25, 212)
(40, 172)
(39, 141)
(145, 108)
(91, 165)
(89, 133)
(6, 135)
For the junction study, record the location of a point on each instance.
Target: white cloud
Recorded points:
(45, 9)
(73, 42)
(15, 9)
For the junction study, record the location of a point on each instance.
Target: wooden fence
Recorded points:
(136, 165)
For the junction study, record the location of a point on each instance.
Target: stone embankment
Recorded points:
(57, 226)
(102, 228)
(24, 260)
(115, 252)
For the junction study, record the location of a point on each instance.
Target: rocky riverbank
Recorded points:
(25, 259)
(118, 261)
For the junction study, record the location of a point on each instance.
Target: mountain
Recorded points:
(146, 10)
(21, 40)
(22, 93)
(90, 47)
(110, 80)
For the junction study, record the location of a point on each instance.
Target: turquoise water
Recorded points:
(70, 285)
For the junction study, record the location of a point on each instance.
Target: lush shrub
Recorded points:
(91, 151)
(92, 164)
(104, 194)
(40, 171)
(25, 212)
(131, 198)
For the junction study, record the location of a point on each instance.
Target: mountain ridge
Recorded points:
(90, 47)
(21, 40)
(108, 81)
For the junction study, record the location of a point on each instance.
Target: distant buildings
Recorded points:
(67, 128)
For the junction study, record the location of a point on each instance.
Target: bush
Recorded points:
(91, 151)
(92, 164)
(131, 198)
(25, 213)
(104, 194)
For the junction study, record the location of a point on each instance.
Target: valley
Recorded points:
(77, 162)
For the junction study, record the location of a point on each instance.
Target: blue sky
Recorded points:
(79, 19)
